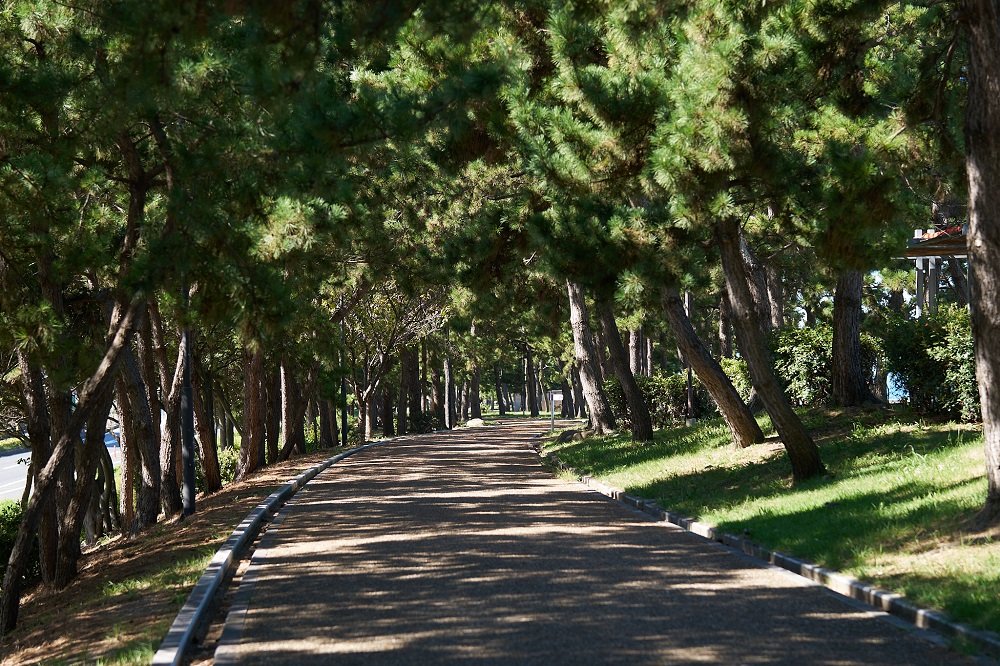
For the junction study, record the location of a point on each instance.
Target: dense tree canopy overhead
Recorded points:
(406, 195)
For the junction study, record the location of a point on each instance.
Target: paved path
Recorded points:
(462, 548)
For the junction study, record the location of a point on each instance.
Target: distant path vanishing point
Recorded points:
(461, 547)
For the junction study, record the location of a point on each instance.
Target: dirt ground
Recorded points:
(129, 590)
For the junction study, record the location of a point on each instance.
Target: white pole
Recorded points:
(552, 403)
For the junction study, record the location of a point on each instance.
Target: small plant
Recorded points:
(10, 521)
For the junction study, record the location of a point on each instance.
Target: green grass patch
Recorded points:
(892, 509)
(180, 575)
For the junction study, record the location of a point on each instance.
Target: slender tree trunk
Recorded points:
(403, 396)
(530, 381)
(170, 434)
(737, 415)
(475, 406)
(71, 523)
(272, 412)
(327, 424)
(849, 385)
(208, 450)
(387, 426)
(802, 451)
(601, 417)
(636, 348)
(449, 393)
(147, 442)
(254, 410)
(725, 327)
(757, 283)
(129, 444)
(578, 400)
(642, 424)
(498, 387)
(293, 408)
(415, 408)
(982, 132)
(89, 396)
(775, 296)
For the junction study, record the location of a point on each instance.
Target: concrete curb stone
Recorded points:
(192, 616)
(884, 600)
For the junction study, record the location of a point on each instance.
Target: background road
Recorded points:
(461, 548)
(13, 473)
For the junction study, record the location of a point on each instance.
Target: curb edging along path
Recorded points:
(194, 613)
(889, 602)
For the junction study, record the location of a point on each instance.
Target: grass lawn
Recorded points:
(893, 509)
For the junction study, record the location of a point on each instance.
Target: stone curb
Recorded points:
(890, 602)
(193, 614)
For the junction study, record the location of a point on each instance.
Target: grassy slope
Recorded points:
(892, 509)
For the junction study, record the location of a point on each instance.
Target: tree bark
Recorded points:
(849, 385)
(415, 407)
(982, 132)
(170, 434)
(292, 413)
(531, 381)
(756, 282)
(208, 449)
(88, 398)
(578, 401)
(449, 393)
(143, 428)
(601, 418)
(327, 424)
(642, 424)
(498, 387)
(387, 426)
(725, 327)
(737, 415)
(272, 412)
(475, 406)
(254, 409)
(802, 451)
(775, 296)
(636, 348)
(402, 397)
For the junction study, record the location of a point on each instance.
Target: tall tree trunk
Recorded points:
(170, 433)
(498, 387)
(737, 415)
(601, 417)
(387, 426)
(272, 413)
(530, 381)
(636, 348)
(982, 132)
(403, 396)
(578, 400)
(292, 413)
(756, 282)
(642, 424)
(89, 395)
(475, 406)
(725, 327)
(129, 445)
(415, 408)
(327, 424)
(775, 296)
(449, 393)
(254, 409)
(849, 385)
(147, 442)
(208, 450)
(87, 458)
(802, 451)
(568, 410)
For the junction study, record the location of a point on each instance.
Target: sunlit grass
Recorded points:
(179, 575)
(892, 508)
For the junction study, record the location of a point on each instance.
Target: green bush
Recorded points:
(739, 374)
(803, 361)
(934, 362)
(229, 461)
(665, 396)
(10, 521)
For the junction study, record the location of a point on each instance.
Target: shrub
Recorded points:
(803, 361)
(10, 520)
(739, 374)
(665, 396)
(934, 362)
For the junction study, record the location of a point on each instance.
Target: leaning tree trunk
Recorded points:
(735, 412)
(601, 417)
(849, 385)
(802, 451)
(982, 131)
(725, 327)
(87, 459)
(642, 424)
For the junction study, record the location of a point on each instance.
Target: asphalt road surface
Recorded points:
(14, 473)
(461, 548)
